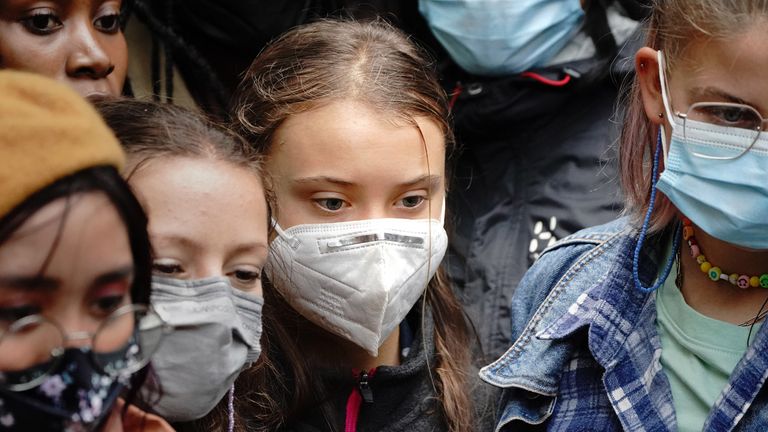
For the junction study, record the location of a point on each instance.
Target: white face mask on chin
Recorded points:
(358, 279)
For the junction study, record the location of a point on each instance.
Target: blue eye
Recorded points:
(331, 204)
(412, 201)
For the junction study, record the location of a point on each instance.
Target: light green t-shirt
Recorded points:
(698, 354)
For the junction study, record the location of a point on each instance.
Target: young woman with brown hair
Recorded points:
(362, 329)
(202, 189)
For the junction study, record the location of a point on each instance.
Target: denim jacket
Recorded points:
(587, 353)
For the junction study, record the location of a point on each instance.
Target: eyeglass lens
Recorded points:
(30, 347)
(743, 125)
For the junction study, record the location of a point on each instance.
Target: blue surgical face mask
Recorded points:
(502, 37)
(728, 199)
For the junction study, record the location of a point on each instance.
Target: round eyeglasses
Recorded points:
(744, 125)
(31, 348)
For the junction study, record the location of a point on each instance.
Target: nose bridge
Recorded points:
(77, 339)
(376, 209)
(78, 330)
(87, 57)
(208, 262)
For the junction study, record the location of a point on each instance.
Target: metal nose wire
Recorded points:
(78, 335)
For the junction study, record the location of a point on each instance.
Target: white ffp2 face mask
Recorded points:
(358, 279)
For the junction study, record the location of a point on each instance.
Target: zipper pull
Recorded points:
(364, 386)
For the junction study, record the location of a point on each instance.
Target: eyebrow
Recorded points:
(46, 284)
(30, 283)
(323, 179)
(178, 239)
(114, 276)
(712, 94)
(192, 244)
(433, 181)
(250, 247)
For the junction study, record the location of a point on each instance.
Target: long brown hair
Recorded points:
(149, 130)
(672, 26)
(375, 64)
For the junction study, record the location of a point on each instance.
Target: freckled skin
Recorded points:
(206, 218)
(373, 154)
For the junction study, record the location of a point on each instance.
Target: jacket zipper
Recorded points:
(360, 393)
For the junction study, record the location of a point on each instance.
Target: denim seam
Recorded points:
(516, 349)
(544, 418)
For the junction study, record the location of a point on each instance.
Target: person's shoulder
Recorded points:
(566, 268)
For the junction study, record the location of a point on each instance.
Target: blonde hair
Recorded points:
(672, 27)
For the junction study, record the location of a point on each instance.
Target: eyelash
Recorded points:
(167, 269)
(115, 25)
(421, 200)
(319, 202)
(52, 17)
(28, 22)
(245, 279)
(14, 313)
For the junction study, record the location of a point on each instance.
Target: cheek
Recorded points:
(30, 53)
(291, 210)
(117, 50)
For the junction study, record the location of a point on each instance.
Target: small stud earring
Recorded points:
(661, 115)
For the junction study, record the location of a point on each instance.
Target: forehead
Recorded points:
(736, 64)
(70, 4)
(355, 138)
(201, 199)
(77, 236)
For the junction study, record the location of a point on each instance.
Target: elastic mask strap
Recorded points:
(644, 231)
(664, 88)
(442, 213)
(294, 242)
(231, 409)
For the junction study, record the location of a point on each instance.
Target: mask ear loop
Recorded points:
(644, 231)
(665, 101)
(292, 241)
(231, 409)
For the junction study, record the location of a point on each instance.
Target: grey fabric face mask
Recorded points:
(217, 332)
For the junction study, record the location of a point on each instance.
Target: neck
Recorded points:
(719, 299)
(731, 258)
(330, 350)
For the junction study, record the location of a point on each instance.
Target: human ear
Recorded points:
(647, 75)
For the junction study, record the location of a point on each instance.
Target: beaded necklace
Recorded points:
(714, 272)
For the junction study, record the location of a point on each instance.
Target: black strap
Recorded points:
(596, 26)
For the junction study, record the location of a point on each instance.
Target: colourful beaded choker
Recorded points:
(714, 272)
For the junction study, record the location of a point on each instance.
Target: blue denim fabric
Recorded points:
(587, 352)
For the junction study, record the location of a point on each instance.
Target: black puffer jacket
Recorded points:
(402, 398)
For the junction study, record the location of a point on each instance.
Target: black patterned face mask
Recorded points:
(75, 397)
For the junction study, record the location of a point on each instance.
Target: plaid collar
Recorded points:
(620, 322)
